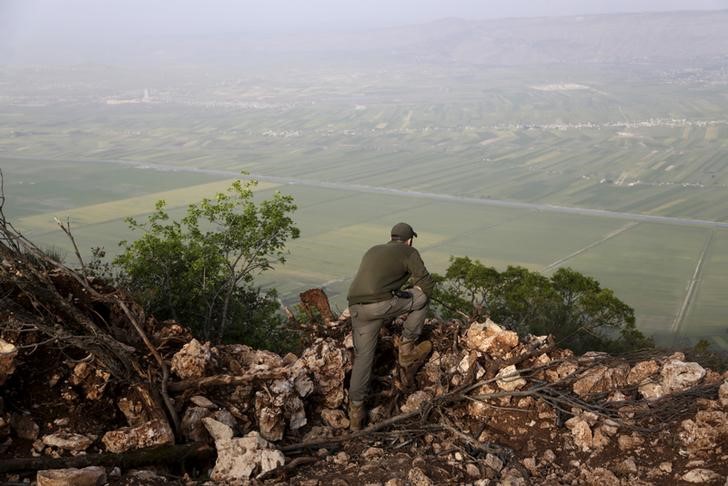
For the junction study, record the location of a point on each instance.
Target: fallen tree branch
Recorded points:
(225, 380)
(141, 457)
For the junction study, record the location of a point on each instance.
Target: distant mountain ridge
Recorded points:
(685, 38)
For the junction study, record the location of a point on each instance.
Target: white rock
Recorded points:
(192, 360)
(218, 430)
(723, 394)
(68, 441)
(489, 337)
(153, 433)
(678, 375)
(701, 476)
(415, 400)
(651, 391)
(509, 379)
(88, 476)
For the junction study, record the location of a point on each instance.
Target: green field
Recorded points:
(630, 141)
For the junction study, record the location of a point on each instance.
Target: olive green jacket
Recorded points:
(386, 268)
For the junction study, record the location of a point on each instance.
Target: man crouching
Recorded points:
(376, 294)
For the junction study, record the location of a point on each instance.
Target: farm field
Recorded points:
(98, 146)
(648, 265)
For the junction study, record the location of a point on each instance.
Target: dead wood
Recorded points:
(225, 380)
(141, 457)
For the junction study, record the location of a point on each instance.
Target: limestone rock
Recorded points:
(493, 462)
(8, 352)
(599, 477)
(153, 433)
(329, 362)
(581, 432)
(278, 407)
(417, 477)
(601, 379)
(701, 476)
(88, 476)
(68, 441)
(678, 375)
(93, 380)
(651, 391)
(472, 471)
(192, 360)
(203, 402)
(240, 458)
(704, 433)
(414, 401)
(191, 425)
(335, 418)
(562, 371)
(629, 442)
(642, 371)
(509, 379)
(489, 337)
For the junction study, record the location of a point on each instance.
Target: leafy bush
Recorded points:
(573, 307)
(200, 270)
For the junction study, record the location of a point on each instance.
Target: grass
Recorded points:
(490, 134)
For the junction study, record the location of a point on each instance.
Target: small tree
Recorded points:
(200, 270)
(571, 306)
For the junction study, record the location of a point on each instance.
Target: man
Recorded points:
(375, 295)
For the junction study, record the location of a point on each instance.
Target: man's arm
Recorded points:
(420, 276)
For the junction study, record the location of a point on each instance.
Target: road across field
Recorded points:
(602, 213)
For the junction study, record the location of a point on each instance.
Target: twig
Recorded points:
(67, 229)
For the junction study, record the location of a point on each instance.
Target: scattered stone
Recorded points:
(417, 477)
(372, 453)
(627, 467)
(678, 375)
(704, 433)
(642, 371)
(88, 476)
(203, 402)
(278, 407)
(581, 432)
(493, 462)
(701, 476)
(191, 425)
(509, 379)
(628, 442)
(414, 401)
(8, 352)
(651, 391)
(191, 361)
(472, 471)
(665, 467)
(153, 433)
(548, 456)
(68, 441)
(489, 337)
(329, 363)
(342, 458)
(601, 379)
(240, 458)
(335, 418)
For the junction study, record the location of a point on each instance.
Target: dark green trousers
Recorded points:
(366, 320)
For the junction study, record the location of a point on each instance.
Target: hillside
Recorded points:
(88, 381)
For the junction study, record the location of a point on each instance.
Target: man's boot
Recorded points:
(357, 415)
(411, 358)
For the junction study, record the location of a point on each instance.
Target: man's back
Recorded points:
(385, 268)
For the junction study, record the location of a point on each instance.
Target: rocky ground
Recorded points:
(94, 392)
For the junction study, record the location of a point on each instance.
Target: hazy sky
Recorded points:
(23, 20)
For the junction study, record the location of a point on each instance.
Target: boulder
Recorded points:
(68, 441)
(238, 459)
(489, 337)
(192, 360)
(601, 379)
(678, 375)
(509, 379)
(329, 362)
(153, 433)
(642, 371)
(278, 407)
(8, 352)
(88, 476)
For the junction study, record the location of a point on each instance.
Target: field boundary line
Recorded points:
(578, 252)
(677, 323)
(604, 213)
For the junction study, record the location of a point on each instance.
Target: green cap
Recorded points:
(402, 231)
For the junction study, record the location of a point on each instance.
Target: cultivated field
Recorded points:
(629, 141)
